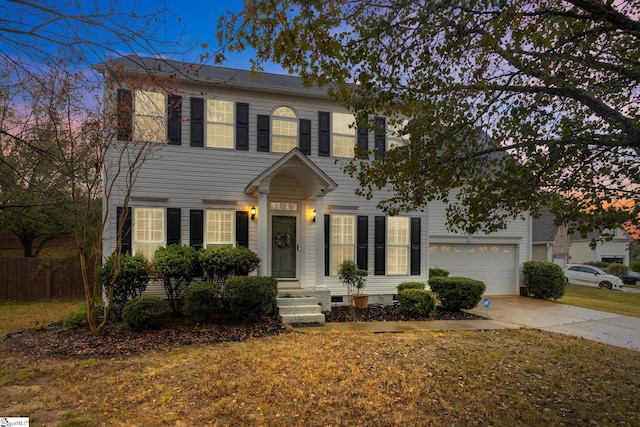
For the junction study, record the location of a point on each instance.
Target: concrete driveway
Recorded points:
(608, 328)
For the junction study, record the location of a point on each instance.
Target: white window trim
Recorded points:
(232, 242)
(227, 124)
(287, 119)
(335, 266)
(406, 245)
(334, 133)
(162, 116)
(135, 242)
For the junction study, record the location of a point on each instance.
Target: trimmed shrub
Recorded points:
(457, 293)
(600, 264)
(544, 280)
(147, 312)
(417, 302)
(250, 298)
(410, 285)
(635, 265)
(619, 270)
(438, 272)
(176, 265)
(219, 263)
(131, 281)
(202, 301)
(78, 318)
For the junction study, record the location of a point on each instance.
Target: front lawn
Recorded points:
(625, 303)
(17, 316)
(500, 378)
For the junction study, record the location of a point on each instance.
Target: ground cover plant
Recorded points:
(625, 303)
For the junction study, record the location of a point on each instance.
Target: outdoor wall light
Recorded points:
(253, 213)
(313, 215)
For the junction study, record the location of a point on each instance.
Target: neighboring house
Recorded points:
(258, 162)
(614, 250)
(550, 242)
(553, 243)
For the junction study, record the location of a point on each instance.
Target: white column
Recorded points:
(319, 241)
(263, 232)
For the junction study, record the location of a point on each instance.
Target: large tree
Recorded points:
(515, 104)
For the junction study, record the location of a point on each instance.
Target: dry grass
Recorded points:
(500, 378)
(18, 316)
(625, 303)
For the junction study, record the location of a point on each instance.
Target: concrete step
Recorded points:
(299, 309)
(302, 318)
(295, 301)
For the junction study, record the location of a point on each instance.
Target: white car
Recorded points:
(588, 275)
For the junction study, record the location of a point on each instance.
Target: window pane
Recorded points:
(340, 255)
(285, 128)
(283, 206)
(150, 103)
(220, 111)
(283, 144)
(149, 129)
(284, 112)
(344, 146)
(148, 230)
(219, 135)
(219, 227)
(398, 262)
(343, 240)
(342, 122)
(398, 233)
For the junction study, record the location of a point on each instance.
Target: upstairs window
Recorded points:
(284, 133)
(148, 227)
(343, 240)
(149, 121)
(394, 136)
(398, 245)
(344, 134)
(219, 228)
(220, 123)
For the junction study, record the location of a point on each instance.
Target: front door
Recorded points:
(283, 247)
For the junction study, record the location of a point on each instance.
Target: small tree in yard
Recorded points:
(176, 265)
(354, 279)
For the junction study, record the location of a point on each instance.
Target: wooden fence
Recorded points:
(36, 279)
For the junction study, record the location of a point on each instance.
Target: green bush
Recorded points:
(219, 263)
(202, 301)
(457, 293)
(600, 264)
(249, 298)
(147, 312)
(635, 265)
(176, 265)
(438, 272)
(544, 280)
(130, 283)
(417, 303)
(619, 270)
(78, 318)
(410, 285)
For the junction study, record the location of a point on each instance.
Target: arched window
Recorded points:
(284, 134)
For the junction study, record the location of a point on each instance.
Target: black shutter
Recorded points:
(263, 133)
(242, 126)
(305, 136)
(362, 251)
(242, 228)
(197, 122)
(381, 131)
(174, 124)
(126, 230)
(363, 139)
(174, 236)
(327, 244)
(415, 246)
(196, 228)
(124, 115)
(380, 240)
(324, 133)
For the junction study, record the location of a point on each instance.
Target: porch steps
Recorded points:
(299, 309)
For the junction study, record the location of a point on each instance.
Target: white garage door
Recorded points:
(495, 265)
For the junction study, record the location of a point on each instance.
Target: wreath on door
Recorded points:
(283, 239)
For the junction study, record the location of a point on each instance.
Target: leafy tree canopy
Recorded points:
(516, 104)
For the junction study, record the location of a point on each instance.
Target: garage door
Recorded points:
(495, 265)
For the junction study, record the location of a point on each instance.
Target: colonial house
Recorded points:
(257, 161)
(553, 243)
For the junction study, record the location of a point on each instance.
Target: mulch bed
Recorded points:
(117, 340)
